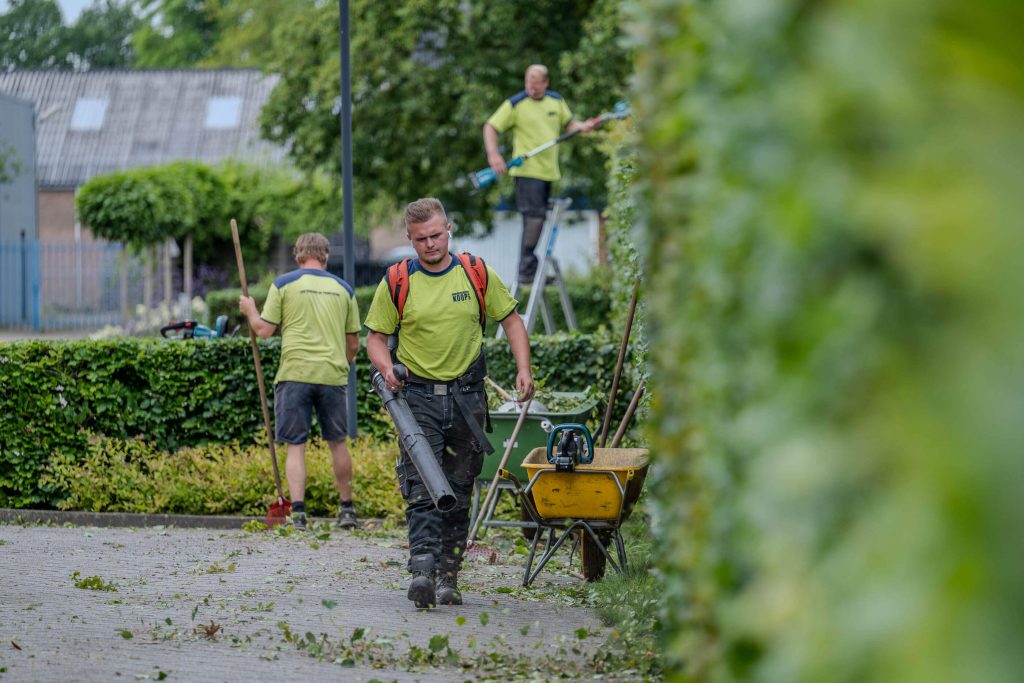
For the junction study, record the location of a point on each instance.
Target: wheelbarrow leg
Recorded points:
(600, 546)
(621, 547)
(533, 551)
(550, 550)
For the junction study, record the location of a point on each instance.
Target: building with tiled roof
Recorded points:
(97, 122)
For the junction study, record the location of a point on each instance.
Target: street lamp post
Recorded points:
(344, 36)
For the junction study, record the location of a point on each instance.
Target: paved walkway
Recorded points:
(231, 605)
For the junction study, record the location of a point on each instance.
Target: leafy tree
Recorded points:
(121, 207)
(101, 38)
(426, 75)
(176, 33)
(247, 30)
(32, 36)
(148, 205)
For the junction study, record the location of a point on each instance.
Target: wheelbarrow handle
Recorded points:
(521, 493)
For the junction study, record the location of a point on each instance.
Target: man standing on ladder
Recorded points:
(534, 115)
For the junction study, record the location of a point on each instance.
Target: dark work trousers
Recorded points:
(532, 202)
(441, 534)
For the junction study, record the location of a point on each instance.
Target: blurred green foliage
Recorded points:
(175, 394)
(833, 213)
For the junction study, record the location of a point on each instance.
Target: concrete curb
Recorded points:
(131, 519)
(120, 519)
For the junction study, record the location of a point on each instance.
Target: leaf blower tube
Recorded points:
(415, 441)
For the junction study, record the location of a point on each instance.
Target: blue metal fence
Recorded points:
(57, 286)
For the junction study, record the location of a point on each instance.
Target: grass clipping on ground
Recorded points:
(117, 475)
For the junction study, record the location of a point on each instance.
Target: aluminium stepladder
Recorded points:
(547, 266)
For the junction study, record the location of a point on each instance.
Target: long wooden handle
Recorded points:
(256, 361)
(621, 431)
(493, 488)
(501, 392)
(606, 425)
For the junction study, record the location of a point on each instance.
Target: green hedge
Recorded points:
(174, 394)
(833, 200)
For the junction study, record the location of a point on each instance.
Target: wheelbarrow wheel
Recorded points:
(592, 560)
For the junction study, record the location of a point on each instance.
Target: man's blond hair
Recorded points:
(422, 210)
(312, 245)
(539, 69)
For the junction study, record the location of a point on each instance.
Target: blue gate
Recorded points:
(47, 286)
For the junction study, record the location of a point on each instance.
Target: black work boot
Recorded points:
(421, 590)
(448, 582)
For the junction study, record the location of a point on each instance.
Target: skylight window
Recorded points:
(223, 112)
(89, 113)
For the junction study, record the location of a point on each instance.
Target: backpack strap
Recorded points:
(398, 284)
(476, 271)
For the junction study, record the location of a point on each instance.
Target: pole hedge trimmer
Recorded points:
(487, 176)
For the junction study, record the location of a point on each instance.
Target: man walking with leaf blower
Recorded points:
(439, 301)
(535, 115)
(319, 321)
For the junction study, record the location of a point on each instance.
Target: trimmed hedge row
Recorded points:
(175, 394)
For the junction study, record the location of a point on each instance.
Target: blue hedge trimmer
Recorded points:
(192, 329)
(487, 176)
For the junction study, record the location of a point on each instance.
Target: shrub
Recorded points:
(132, 475)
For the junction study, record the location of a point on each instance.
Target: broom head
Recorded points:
(278, 512)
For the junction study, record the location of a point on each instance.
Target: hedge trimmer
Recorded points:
(487, 176)
(193, 329)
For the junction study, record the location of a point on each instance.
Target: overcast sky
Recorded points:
(69, 8)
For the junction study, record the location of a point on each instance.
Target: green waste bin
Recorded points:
(531, 435)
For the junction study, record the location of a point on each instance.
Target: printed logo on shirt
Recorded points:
(460, 296)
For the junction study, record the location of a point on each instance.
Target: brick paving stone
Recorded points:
(171, 582)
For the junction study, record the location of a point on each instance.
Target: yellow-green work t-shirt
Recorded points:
(533, 122)
(314, 310)
(440, 335)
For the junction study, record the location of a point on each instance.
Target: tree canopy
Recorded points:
(148, 205)
(33, 36)
(425, 77)
(426, 74)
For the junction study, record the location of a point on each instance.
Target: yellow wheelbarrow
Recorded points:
(586, 499)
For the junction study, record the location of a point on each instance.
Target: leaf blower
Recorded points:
(415, 441)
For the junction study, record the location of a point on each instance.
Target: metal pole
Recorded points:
(344, 38)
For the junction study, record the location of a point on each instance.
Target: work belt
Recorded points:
(469, 382)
